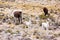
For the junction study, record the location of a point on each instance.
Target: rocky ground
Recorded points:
(35, 25)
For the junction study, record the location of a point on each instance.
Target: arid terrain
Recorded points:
(35, 26)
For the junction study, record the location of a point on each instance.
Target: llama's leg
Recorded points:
(21, 20)
(42, 27)
(47, 31)
(14, 20)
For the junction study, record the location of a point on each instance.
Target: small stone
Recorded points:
(54, 39)
(25, 39)
(1, 30)
(37, 37)
(17, 31)
(16, 23)
(26, 26)
(9, 22)
(11, 0)
(4, 20)
(59, 34)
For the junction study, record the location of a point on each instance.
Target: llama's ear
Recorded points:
(20, 12)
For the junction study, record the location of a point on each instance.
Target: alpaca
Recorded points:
(45, 26)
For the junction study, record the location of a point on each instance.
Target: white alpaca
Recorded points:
(28, 23)
(45, 25)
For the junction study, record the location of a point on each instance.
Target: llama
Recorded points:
(45, 11)
(18, 15)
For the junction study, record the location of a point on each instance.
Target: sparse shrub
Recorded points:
(8, 31)
(25, 26)
(33, 22)
(43, 16)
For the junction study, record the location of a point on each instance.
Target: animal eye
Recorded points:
(20, 12)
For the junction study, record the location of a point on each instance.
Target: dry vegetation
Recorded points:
(33, 15)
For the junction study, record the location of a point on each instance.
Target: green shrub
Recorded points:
(9, 31)
(43, 16)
